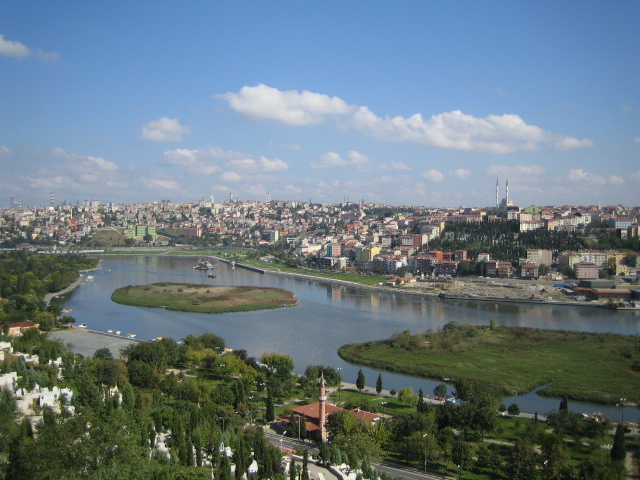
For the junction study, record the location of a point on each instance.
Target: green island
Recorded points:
(594, 367)
(204, 298)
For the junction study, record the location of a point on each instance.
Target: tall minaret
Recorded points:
(323, 409)
(507, 193)
(497, 195)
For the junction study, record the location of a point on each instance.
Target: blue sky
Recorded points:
(405, 103)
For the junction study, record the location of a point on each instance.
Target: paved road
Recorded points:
(396, 471)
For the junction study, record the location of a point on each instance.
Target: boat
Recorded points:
(82, 325)
(109, 331)
(118, 332)
(211, 275)
(204, 266)
(131, 335)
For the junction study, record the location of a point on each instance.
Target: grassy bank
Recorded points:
(203, 298)
(595, 367)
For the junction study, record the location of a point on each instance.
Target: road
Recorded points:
(395, 471)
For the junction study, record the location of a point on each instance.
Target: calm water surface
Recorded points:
(327, 317)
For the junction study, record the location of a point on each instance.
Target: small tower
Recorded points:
(322, 398)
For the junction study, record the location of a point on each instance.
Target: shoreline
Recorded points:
(387, 289)
(49, 296)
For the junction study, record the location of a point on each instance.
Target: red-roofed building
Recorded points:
(17, 328)
(315, 415)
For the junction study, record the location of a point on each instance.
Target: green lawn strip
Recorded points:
(203, 298)
(584, 366)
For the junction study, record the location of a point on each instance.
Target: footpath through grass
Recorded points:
(595, 367)
(203, 298)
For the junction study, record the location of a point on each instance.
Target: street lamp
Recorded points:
(425, 452)
(339, 369)
(281, 439)
(622, 400)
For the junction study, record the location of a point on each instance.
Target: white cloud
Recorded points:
(48, 181)
(400, 166)
(4, 150)
(433, 175)
(616, 180)
(162, 183)
(517, 172)
(292, 189)
(211, 160)
(102, 164)
(577, 175)
(461, 173)
(497, 134)
(47, 57)
(291, 107)
(15, 49)
(257, 190)
(275, 165)
(231, 177)
(354, 159)
(88, 178)
(570, 143)
(164, 129)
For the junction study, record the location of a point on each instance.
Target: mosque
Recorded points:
(315, 414)
(506, 205)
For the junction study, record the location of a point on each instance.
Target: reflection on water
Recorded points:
(327, 317)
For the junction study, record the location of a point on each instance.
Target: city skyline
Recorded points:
(421, 105)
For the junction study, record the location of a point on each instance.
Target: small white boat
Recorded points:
(118, 332)
(131, 335)
(82, 325)
(109, 331)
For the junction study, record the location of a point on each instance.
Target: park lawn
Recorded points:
(203, 298)
(593, 367)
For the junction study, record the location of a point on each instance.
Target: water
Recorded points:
(327, 317)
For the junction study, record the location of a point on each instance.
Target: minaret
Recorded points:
(507, 193)
(497, 195)
(323, 409)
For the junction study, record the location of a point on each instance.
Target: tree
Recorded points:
(440, 390)
(407, 396)
(360, 381)
(102, 354)
(521, 463)
(305, 465)
(556, 463)
(618, 450)
(422, 405)
(292, 469)
(461, 453)
(270, 415)
(341, 422)
(379, 384)
(513, 410)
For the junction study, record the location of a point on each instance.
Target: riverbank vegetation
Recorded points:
(595, 367)
(25, 278)
(203, 298)
(163, 409)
